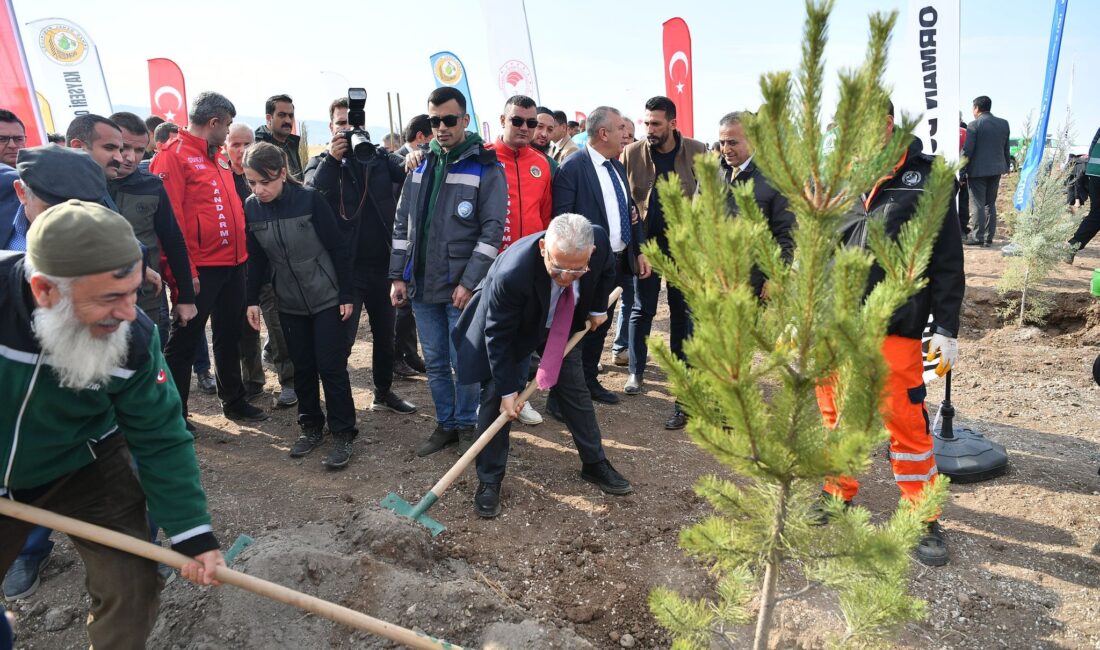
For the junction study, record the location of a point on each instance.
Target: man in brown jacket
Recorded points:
(663, 151)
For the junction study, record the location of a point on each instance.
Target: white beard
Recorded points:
(78, 357)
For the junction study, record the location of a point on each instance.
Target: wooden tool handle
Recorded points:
(134, 546)
(458, 468)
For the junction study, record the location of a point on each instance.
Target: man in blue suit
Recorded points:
(540, 291)
(592, 182)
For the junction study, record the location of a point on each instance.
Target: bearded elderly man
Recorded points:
(83, 385)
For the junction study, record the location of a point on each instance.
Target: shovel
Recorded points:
(134, 546)
(416, 513)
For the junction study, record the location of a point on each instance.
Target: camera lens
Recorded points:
(361, 145)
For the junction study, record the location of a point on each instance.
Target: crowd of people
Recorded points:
(474, 261)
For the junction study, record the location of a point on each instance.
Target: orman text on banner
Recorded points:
(66, 70)
(167, 92)
(449, 71)
(1030, 168)
(17, 92)
(510, 57)
(930, 53)
(676, 41)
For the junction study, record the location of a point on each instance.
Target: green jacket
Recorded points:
(47, 431)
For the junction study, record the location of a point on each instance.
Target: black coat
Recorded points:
(775, 206)
(505, 320)
(986, 147)
(577, 190)
(368, 222)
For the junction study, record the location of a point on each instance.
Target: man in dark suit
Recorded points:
(539, 291)
(986, 152)
(592, 182)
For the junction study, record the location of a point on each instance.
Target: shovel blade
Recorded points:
(405, 509)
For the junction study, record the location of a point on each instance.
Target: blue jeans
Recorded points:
(37, 546)
(455, 404)
(622, 323)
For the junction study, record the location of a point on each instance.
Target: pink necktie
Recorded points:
(552, 354)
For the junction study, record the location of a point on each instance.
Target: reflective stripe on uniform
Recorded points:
(473, 180)
(488, 250)
(903, 456)
(400, 244)
(922, 478)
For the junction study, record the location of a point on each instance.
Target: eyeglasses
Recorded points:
(519, 121)
(19, 140)
(558, 271)
(445, 120)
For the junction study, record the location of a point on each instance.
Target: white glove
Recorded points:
(948, 349)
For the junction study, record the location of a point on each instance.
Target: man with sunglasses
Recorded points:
(446, 234)
(530, 191)
(540, 291)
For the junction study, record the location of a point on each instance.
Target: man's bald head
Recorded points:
(240, 137)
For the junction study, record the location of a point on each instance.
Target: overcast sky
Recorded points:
(586, 53)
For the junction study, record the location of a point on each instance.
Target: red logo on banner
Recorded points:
(167, 92)
(677, 48)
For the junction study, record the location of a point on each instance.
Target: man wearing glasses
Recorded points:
(543, 289)
(13, 137)
(446, 234)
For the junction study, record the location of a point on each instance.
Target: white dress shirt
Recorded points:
(610, 200)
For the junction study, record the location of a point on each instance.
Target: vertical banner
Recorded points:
(931, 87)
(449, 71)
(1022, 199)
(579, 116)
(66, 70)
(167, 92)
(676, 40)
(16, 88)
(510, 56)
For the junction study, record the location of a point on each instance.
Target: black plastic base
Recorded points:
(969, 457)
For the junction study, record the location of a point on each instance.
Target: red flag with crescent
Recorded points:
(578, 116)
(16, 89)
(678, 70)
(167, 92)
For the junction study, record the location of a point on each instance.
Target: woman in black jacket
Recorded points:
(293, 233)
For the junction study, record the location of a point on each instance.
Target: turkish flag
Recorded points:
(167, 92)
(677, 46)
(579, 116)
(16, 89)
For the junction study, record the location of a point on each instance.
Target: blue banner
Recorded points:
(1038, 142)
(449, 71)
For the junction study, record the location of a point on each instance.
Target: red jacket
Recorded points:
(530, 191)
(204, 198)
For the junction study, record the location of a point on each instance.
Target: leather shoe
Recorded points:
(416, 363)
(391, 402)
(403, 370)
(601, 394)
(678, 420)
(606, 478)
(439, 439)
(207, 383)
(487, 500)
(633, 385)
(242, 411)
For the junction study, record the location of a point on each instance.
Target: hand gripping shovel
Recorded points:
(416, 513)
(134, 546)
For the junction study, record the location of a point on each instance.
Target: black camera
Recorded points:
(358, 138)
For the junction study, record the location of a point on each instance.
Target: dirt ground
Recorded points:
(566, 566)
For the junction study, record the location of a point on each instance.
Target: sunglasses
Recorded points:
(445, 120)
(519, 121)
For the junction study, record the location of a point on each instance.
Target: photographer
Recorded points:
(360, 193)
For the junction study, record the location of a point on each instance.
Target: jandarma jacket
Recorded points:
(450, 219)
(530, 191)
(48, 431)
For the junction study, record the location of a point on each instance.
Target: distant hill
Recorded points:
(317, 130)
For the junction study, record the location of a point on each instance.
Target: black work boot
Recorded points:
(340, 453)
(312, 434)
(487, 500)
(932, 548)
(439, 439)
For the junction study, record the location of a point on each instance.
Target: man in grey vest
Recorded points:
(987, 156)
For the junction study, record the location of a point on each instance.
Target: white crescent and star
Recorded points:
(167, 90)
(676, 57)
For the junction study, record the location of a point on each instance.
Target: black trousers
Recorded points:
(983, 205)
(221, 299)
(963, 205)
(372, 292)
(593, 342)
(404, 339)
(1090, 225)
(318, 350)
(571, 393)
